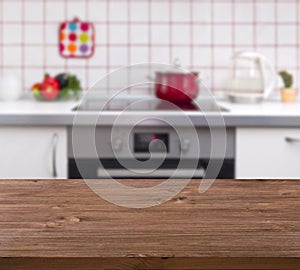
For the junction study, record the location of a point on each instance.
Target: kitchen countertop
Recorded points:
(269, 113)
(236, 224)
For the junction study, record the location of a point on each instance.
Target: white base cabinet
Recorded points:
(33, 152)
(267, 153)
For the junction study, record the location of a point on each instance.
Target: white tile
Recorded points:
(52, 33)
(223, 34)
(183, 54)
(139, 55)
(34, 34)
(12, 11)
(15, 72)
(201, 11)
(118, 11)
(222, 12)
(181, 34)
(139, 11)
(76, 63)
(114, 92)
(220, 79)
(287, 57)
(100, 33)
(53, 58)
(97, 11)
(181, 11)
(265, 12)
(135, 89)
(33, 56)
(298, 37)
(160, 34)
(12, 56)
(265, 34)
(139, 34)
(239, 48)
(243, 12)
(51, 71)
(118, 33)
(296, 78)
(268, 52)
(160, 11)
(55, 11)
(139, 75)
(118, 80)
(299, 33)
(202, 56)
(34, 11)
(118, 56)
(205, 83)
(98, 80)
(145, 90)
(161, 55)
(76, 9)
(287, 12)
(222, 57)
(12, 33)
(243, 34)
(32, 76)
(287, 34)
(95, 76)
(201, 34)
(100, 57)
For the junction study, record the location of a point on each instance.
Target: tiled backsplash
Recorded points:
(203, 34)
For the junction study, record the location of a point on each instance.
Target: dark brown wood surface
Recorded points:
(236, 224)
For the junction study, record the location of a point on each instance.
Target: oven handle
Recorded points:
(54, 154)
(162, 173)
(292, 140)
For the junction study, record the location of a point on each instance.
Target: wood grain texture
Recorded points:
(62, 224)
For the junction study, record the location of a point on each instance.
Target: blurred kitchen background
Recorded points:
(203, 34)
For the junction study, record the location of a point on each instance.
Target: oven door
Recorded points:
(104, 168)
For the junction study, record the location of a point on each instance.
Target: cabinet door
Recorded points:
(33, 152)
(268, 153)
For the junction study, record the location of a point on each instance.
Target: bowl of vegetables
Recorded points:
(63, 86)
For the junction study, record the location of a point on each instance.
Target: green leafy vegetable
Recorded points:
(72, 89)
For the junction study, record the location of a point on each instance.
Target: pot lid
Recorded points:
(175, 68)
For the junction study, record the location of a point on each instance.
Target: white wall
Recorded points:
(204, 34)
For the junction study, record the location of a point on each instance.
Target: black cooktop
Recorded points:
(147, 104)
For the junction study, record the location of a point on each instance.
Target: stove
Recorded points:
(122, 149)
(147, 104)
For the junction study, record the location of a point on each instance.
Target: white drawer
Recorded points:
(267, 153)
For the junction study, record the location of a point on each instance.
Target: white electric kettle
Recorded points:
(252, 78)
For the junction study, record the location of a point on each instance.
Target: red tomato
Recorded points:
(51, 81)
(50, 88)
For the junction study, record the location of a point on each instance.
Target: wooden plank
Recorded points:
(62, 224)
(150, 263)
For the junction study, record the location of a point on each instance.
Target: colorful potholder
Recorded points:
(76, 39)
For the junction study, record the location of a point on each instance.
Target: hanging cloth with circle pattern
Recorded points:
(76, 39)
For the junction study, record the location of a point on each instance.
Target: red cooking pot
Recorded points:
(177, 87)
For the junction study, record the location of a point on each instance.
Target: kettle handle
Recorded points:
(264, 62)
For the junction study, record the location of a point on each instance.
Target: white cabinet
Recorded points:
(267, 153)
(33, 152)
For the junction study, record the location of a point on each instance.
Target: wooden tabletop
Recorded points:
(236, 224)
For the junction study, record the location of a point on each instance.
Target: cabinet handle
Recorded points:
(292, 140)
(54, 153)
